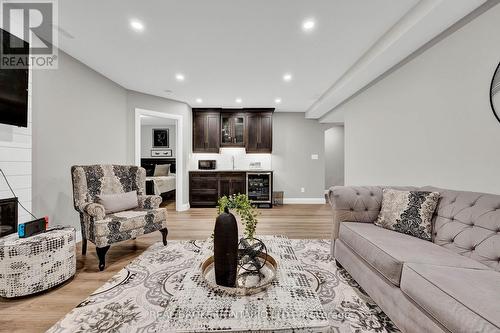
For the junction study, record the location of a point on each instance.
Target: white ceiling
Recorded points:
(239, 48)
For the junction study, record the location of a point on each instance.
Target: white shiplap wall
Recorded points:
(15, 161)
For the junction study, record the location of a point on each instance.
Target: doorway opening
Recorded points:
(334, 157)
(158, 149)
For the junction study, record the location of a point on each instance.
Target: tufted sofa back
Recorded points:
(467, 223)
(89, 181)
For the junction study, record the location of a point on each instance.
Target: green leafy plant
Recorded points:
(240, 204)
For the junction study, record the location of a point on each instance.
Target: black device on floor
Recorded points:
(32, 228)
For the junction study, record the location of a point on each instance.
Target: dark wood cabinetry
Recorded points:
(205, 188)
(233, 129)
(206, 129)
(259, 132)
(249, 128)
(232, 183)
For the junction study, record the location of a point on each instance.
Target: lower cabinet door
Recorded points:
(204, 198)
(205, 189)
(238, 186)
(224, 187)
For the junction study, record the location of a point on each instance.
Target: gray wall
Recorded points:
(334, 156)
(158, 104)
(295, 139)
(430, 122)
(79, 117)
(147, 139)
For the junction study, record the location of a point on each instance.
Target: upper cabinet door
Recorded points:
(239, 130)
(206, 126)
(213, 128)
(266, 133)
(226, 130)
(232, 130)
(199, 132)
(253, 135)
(259, 133)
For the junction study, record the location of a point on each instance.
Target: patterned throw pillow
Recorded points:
(408, 212)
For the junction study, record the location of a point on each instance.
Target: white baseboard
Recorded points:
(306, 201)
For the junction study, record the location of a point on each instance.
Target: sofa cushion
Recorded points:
(408, 212)
(461, 299)
(129, 220)
(387, 250)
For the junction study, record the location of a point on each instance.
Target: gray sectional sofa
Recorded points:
(451, 284)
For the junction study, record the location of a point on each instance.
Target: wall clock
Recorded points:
(495, 93)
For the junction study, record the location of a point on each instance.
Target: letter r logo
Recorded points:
(30, 21)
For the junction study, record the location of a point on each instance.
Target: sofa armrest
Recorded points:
(354, 204)
(149, 201)
(95, 210)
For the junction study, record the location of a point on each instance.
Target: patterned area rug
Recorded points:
(135, 298)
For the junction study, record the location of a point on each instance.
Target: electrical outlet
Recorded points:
(314, 156)
(302, 189)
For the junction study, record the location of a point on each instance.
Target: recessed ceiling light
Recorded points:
(239, 100)
(199, 100)
(277, 100)
(308, 25)
(287, 77)
(179, 77)
(137, 25)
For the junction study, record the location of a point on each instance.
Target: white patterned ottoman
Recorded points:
(37, 263)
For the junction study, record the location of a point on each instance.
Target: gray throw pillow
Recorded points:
(161, 170)
(118, 202)
(408, 212)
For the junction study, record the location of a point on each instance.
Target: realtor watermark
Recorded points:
(28, 34)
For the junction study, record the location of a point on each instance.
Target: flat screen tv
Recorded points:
(13, 90)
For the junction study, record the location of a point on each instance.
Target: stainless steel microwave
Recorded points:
(207, 164)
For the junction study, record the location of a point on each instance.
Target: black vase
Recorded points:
(226, 249)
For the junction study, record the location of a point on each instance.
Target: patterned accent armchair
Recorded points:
(103, 229)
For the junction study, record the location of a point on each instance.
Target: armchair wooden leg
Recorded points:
(164, 233)
(101, 254)
(84, 246)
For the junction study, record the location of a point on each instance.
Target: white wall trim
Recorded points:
(304, 201)
(179, 161)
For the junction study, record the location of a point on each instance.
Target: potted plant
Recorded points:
(241, 205)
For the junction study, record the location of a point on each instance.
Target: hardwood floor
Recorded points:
(38, 313)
